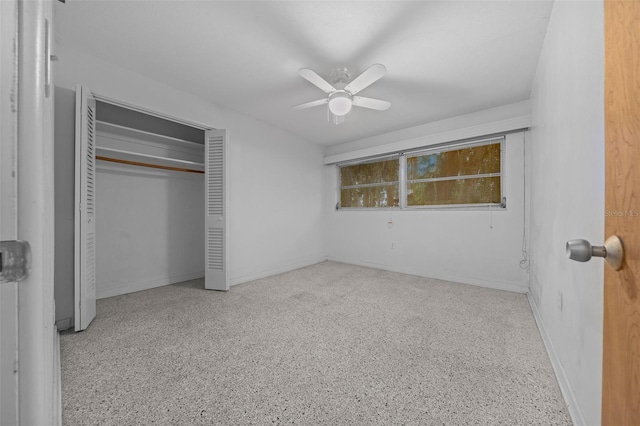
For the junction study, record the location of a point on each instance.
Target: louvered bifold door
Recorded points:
(216, 195)
(85, 224)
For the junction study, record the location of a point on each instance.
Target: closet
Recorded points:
(149, 207)
(150, 200)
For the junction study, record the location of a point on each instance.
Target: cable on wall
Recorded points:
(525, 262)
(490, 216)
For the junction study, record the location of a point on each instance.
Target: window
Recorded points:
(464, 175)
(370, 185)
(461, 176)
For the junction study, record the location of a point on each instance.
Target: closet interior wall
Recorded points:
(149, 220)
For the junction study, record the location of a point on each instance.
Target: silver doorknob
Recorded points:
(612, 251)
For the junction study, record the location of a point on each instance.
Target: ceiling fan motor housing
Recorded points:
(340, 77)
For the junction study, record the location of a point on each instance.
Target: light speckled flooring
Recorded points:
(329, 344)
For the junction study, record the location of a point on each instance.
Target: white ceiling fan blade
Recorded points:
(368, 77)
(371, 103)
(316, 80)
(311, 104)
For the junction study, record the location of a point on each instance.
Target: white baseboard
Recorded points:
(301, 263)
(565, 387)
(64, 324)
(146, 285)
(497, 285)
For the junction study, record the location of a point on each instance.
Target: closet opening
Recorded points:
(149, 190)
(140, 203)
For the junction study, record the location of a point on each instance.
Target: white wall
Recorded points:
(481, 247)
(275, 206)
(567, 199)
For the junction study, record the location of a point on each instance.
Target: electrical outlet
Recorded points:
(560, 301)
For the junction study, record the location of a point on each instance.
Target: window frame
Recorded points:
(454, 147)
(368, 161)
(403, 182)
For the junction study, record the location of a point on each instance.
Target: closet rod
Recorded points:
(154, 166)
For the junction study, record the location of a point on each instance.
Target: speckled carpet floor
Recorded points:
(330, 344)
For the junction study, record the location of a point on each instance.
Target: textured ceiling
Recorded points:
(443, 58)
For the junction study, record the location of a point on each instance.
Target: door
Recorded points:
(216, 194)
(8, 208)
(29, 384)
(621, 357)
(85, 224)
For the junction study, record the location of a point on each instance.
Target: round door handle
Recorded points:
(583, 251)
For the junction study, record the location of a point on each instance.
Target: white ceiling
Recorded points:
(443, 58)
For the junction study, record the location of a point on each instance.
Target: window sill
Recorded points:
(492, 208)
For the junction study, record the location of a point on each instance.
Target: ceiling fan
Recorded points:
(342, 96)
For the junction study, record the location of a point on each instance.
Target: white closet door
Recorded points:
(85, 224)
(216, 195)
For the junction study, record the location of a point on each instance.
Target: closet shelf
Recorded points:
(146, 160)
(141, 134)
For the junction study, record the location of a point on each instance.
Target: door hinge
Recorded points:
(15, 261)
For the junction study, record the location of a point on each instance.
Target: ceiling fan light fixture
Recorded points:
(340, 104)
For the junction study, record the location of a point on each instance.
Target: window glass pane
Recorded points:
(460, 162)
(458, 191)
(370, 196)
(378, 172)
